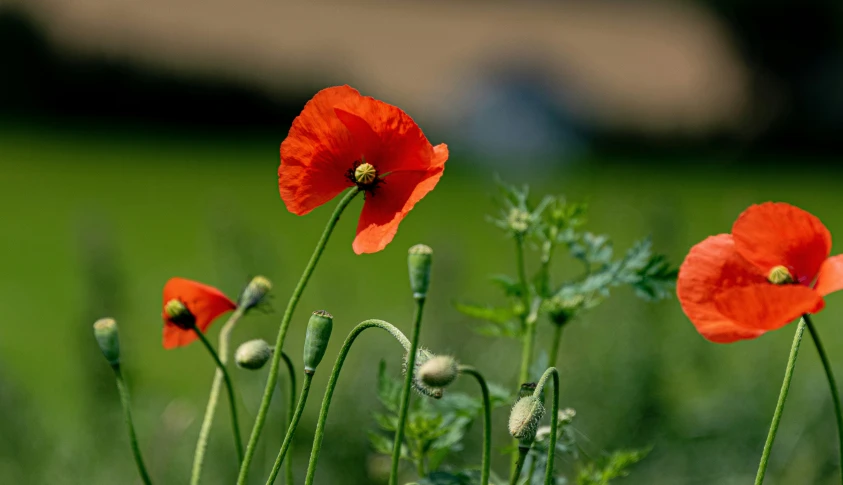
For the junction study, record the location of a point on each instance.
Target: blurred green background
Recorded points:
(117, 173)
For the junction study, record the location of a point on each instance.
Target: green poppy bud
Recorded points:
(316, 339)
(419, 260)
(439, 371)
(524, 419)
(105, 331)
(254, 292)
(253, 354)
(422, 357)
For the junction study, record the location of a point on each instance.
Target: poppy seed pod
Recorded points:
(524, 419)
(253, 354)
(105, 331)
(439, 371)
(316, 339)
(177, 312)
(419, 260)
(254, 292)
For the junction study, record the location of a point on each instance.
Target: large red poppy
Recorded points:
(205, 303)
(771, 269)
(342, 139)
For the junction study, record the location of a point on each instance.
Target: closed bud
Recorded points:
(253, 354)
(316, 339)
(439, 371)
(524, 419)
(254, 292)
(423, 356)
(419, 260)
(105, 331)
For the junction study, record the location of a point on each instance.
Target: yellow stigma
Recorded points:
(178, 313)
(365, 174)
(780, 276)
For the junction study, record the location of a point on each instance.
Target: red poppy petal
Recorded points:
(710, 267)
(390, 140)
(830, 278)
(383, 211)
(767, 306)
(205, 302)
(778, 234)
(317, 152)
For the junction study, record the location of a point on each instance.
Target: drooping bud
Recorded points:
(419, 261)
(316, 339)
(105, 331)
(253, 354)
(524, 419)
(365, 173)
(780, 276)
(439, 371)
(422, 357)
(178, 313)
(254, 292)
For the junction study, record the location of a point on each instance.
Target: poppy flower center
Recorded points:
(780, 276)
(178, 313)
(364, 175)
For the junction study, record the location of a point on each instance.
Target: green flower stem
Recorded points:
(332, 384)
(554, 344)
(127, 412)
(521, 457)
(405, 392)
(210, 408)
(777, 414)
(528, 332)
(272, 378)
(487, 421)
(832, 385)
(229, 387)
(294, 422)
(554, 419)
(291, 410)
(532, 470)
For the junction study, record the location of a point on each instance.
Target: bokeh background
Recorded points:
(139, 141)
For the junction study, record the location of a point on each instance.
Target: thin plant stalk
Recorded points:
(210, 408)
(521, 457)
(554, 344)
(528, 337)
(127, 413)
(229, 387)
(777, 414)
(551, 372)
(294, 422)
(332, 384)
(272, 377)
(405, 392)
(832, 385)
(291, 411)
(487, 422)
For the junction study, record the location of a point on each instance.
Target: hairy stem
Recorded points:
(487, 422)
(294, 422)
(272, 378)
(777, 414)
(519, 464)
(127, 413)
(554, 419)
(405, 392)
(291, 410)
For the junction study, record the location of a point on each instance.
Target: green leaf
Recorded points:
(380, 443)
(491, 314)
(510, 286)
(608, 468)
(389, 391)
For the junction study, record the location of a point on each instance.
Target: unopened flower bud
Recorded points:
(253, 354)
(419, 260)
(439, 371)
(177, 312)
(105, 331)
(316, 339)
(524, 419)
(422, 357)
(254, 292)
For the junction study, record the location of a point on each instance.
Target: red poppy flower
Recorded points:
(202, 303)
(773, 268)
(342, 139)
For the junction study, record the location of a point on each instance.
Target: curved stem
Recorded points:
(527, 330)
(210, 408)
(832, 385)
(272, 377)
(127, 412)
(229, 387)
(332, 384)
(291, 410)
(294, 422)
(554, 419)
(487, 422)
(519, 464)
(405, 392)
(777, 414)
(554, 344)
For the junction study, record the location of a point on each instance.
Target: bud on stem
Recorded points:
(524, 419)
(316, 339)
(439, 371)
(105, 331)
(253, 354)
(254, 292)
(419, 261)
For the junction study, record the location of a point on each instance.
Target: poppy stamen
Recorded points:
(780, 276)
